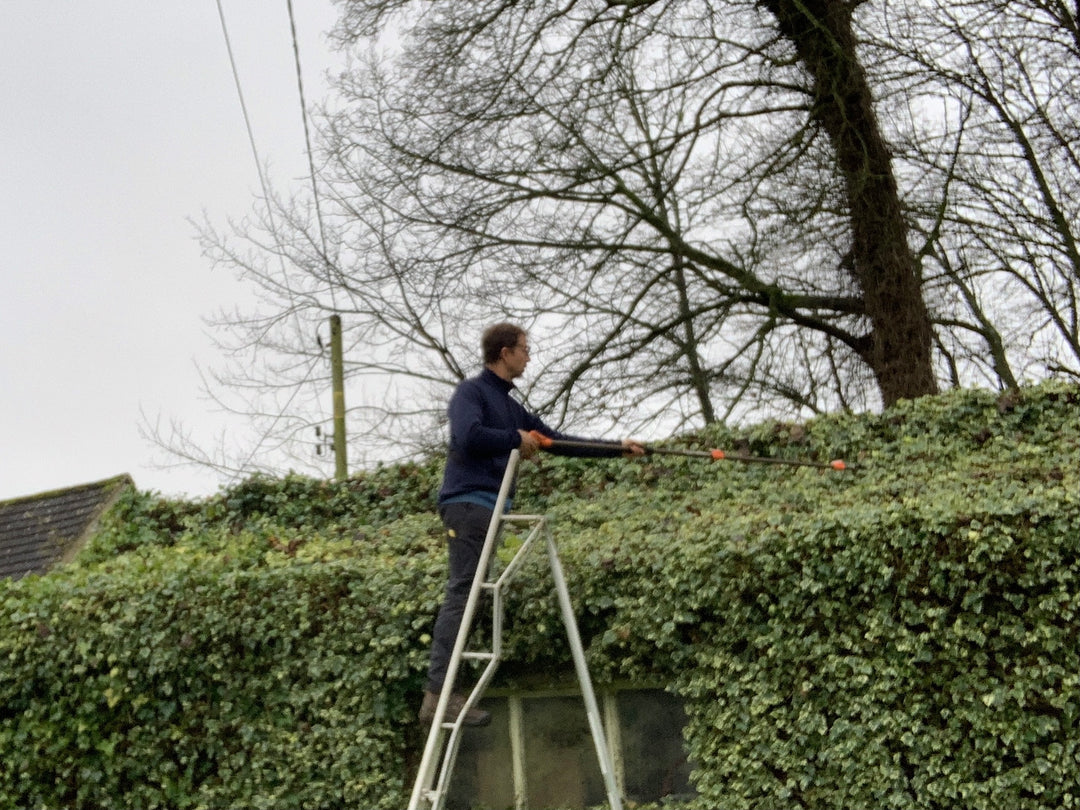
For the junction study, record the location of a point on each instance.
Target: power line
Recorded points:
(310, 155)
(254, 150)
(269, 211)
(244, 110)
(336, 360)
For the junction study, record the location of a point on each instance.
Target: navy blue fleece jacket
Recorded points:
(484, 425)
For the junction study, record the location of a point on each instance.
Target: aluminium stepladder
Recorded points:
(437, 764)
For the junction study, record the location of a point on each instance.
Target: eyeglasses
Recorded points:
(524, 348)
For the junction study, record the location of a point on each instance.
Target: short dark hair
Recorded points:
(497, 337)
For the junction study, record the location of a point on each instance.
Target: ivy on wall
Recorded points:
(903, 634)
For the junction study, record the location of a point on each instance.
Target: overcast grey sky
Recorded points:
(119, 121)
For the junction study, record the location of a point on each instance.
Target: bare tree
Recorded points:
(623, 160)
(700, 209)
(991, 144)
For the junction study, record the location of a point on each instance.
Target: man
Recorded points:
(486, 424)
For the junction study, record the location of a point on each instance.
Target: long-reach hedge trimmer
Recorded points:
(548, 443)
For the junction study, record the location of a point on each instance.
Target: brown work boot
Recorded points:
(473, 717)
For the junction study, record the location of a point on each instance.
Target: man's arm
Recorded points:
(626, 447)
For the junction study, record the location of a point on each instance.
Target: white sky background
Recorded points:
(119, 122)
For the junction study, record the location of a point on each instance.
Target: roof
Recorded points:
(39, 531)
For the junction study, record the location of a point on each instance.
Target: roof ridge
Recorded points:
(116, 480)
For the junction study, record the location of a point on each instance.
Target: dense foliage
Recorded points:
(902, 635)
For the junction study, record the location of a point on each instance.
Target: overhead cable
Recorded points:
(269, 210)
(310, 156)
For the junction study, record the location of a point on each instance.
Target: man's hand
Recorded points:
(529, 446)
(632, 448)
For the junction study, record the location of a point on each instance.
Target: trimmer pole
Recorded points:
(548, 443)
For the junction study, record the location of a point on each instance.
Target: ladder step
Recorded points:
(478, 656)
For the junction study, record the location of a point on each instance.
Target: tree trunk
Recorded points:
(898, 348)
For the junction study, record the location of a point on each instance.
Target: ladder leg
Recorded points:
(603, 754)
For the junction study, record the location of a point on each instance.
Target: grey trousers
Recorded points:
(466, 529)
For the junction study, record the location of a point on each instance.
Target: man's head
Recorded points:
(505, 349)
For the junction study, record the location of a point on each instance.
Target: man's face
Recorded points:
(517, 357)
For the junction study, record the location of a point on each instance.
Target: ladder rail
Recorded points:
(426, 774)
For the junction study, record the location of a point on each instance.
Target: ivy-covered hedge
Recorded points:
(904, 634)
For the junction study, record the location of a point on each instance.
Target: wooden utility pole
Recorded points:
(337, 365)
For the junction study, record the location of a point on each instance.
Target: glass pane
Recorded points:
(654, 761)
(560, 759)
(483, 775)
